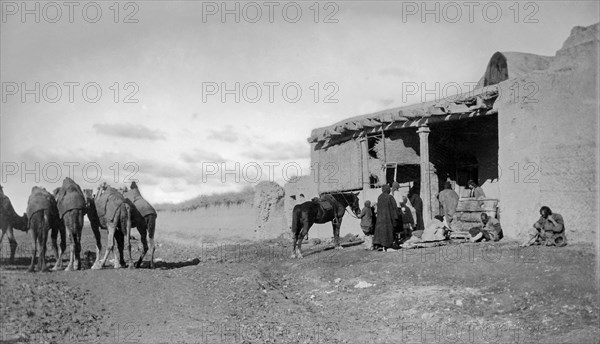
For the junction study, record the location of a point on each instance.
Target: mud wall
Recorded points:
(548, 143)
(212, 224)
(339, 167)
(269, 210)
(263, 218)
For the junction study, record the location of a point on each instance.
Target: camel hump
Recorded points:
(140, 203)
(108, 202)
(40, 199)
(70, 197)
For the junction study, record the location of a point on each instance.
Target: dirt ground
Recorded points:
(229, 293)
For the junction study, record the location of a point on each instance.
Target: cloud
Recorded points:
(280, 151)
(227, 134)
(113, 167)
(129, 131)
(201, 155)
(396, 72)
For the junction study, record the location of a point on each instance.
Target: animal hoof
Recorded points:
(151, 266)
(131, 266)
(31, 269)
(97, 266)
(69, 267)
(45, 269)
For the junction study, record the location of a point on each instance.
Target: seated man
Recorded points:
(549, 230)
(491, 230)
(476, 190)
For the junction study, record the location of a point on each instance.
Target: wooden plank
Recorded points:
(471, 204)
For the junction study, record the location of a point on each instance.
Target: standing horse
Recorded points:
(330, 208)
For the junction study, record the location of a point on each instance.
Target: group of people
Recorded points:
(396, 219)
(392, 219)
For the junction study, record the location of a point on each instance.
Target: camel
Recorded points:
(148, 212)
(72, 207)
(118, 215)
(9, 219)
(42, 214)
(92, 215)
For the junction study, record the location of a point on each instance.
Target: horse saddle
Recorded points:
(325, 206)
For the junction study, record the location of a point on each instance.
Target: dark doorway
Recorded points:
(465, 150)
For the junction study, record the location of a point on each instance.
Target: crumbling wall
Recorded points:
(269, 210)
(548, 148)
(401, 147)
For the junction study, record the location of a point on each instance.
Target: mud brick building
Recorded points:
(528, 134)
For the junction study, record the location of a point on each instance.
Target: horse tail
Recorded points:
(296, 218)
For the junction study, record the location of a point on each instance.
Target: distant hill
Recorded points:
(205, 201)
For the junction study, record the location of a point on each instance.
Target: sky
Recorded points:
(191, 97)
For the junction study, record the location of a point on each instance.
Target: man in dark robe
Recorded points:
(408, 222)
(387, 219)
(417, 203)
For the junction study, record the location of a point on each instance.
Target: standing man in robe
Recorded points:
(398, 198)
(387, 219)
(417, 203)
(449, 201)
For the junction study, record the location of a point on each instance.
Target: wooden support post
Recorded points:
(364, 145)
(423, 132)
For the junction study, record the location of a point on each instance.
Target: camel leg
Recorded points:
(43, 239)
(76, 230)
(152, 248)
(2, 237)
(33, 249)
(151, 225)
(145, 248)
(98, 238)
(130, 263)
(58, 251)
(119, 254)
(109, 246)
(71, 248)
(12, 242)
